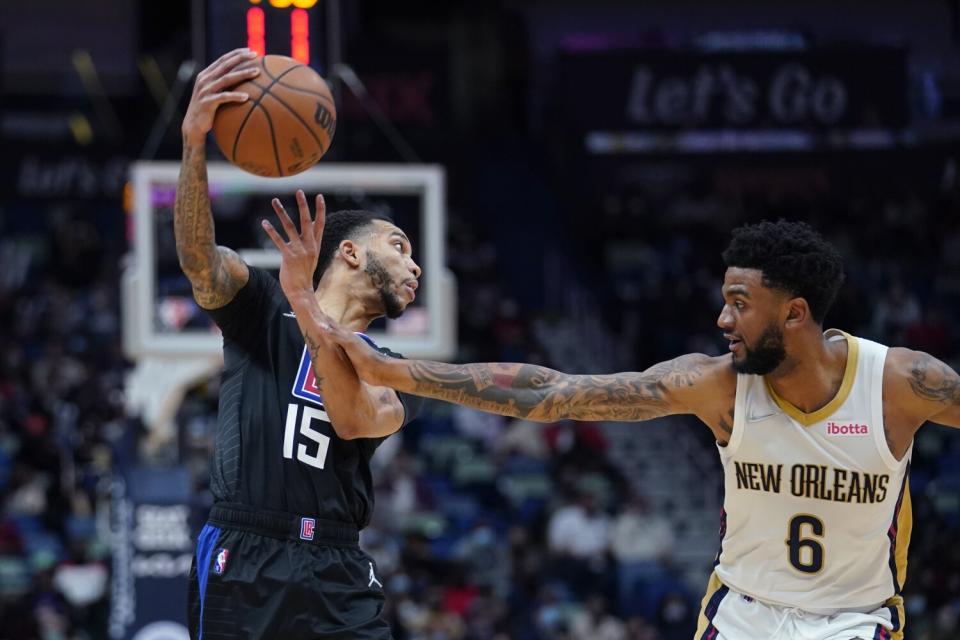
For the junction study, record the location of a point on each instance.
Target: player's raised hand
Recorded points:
(301, 250)
(212, 90)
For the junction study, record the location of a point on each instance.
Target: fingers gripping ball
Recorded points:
(287, 124)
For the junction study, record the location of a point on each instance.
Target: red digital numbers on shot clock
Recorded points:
(299, 26)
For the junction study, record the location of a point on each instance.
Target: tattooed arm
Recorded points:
(216, 273)
(934, 388)
(917, 388)
(693, 383)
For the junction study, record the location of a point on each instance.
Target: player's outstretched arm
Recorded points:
(356, 409)
(538, 393)
(216, 273)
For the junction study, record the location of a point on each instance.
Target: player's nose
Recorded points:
(725, 319)
(415, 269)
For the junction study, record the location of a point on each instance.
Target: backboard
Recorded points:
(160, 316)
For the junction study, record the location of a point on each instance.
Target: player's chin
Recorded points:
(737, 360)
(395, 307)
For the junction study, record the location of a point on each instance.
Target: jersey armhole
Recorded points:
(876, 408)
(739, 417)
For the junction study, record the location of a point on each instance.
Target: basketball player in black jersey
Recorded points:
(278, 557)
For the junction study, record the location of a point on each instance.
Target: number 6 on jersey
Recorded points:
(797, 543)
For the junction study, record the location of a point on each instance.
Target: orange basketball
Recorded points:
(287, 124)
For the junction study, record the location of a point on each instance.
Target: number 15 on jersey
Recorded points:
(306, 419)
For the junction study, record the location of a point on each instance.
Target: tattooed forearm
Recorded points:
(314, 348)
(203, 263)
(192, 219)
(930, 379)
(537, 393)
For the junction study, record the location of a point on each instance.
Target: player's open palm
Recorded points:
(301, 249)
(212, 90)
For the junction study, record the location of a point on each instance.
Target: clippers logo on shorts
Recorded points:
(834, 429)
(307, 526)
(220, 563)
(305, 384)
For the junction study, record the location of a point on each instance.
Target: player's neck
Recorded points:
(345, 308)
(811, 380)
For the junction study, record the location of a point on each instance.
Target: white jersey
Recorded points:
(817, 509)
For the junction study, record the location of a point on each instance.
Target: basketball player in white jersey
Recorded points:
(814, 430)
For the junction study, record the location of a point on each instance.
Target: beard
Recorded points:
(766, 356)
(392, 305)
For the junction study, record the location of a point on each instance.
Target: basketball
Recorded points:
(287, 124)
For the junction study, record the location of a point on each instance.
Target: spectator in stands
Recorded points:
(486, 558)
(399, 493)
(595, 622)
(486, 428)
(642, 543)
(525, 438)
(578, 535)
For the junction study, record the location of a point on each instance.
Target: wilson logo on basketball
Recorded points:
(853, 429)
(325, 119)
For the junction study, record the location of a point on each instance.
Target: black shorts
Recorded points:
(275, 575)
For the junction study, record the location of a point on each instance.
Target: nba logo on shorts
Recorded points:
(306, 528)
(220, 564)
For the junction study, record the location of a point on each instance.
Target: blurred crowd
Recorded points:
(62, 422)
(485, 528)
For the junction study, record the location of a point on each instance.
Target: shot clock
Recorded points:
(294, 28)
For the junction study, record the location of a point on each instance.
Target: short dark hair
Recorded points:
(340, 226)
(793, 258)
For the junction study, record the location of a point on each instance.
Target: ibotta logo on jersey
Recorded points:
(851, 429)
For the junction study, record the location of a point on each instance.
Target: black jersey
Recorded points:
(275, 448)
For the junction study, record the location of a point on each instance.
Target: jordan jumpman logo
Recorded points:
(373, 578)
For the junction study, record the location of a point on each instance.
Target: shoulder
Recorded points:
(910, 368)
(256, 282)
(264, 279)
(266, 286)
(697, 379)
(915, 379)
(900, 367)
(694, 369)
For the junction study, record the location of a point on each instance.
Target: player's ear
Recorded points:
(798, 312)
(350, 252)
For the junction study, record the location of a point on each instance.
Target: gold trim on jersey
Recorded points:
(703, 622)
(849, 374)
(898, 616)
(904, 531)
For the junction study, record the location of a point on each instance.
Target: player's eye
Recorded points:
(399, 246)
(739, 304)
